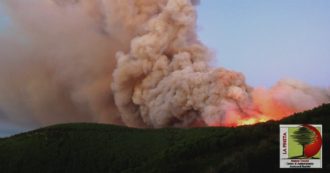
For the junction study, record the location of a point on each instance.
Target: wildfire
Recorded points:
(265, 112)
(234, 119)
(252, 120)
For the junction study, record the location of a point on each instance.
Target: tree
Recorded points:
(303, 136)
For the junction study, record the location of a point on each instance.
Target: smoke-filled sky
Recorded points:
(162, 77)
(270, 39)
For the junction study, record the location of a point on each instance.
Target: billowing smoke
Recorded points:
(57, 61)
(289, 96)
(137, 62)
(165, 79)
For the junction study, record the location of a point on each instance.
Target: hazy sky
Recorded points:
(267, 40)
(3, 18)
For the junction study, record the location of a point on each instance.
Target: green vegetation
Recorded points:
(106, 148)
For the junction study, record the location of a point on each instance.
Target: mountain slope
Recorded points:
(107, 148)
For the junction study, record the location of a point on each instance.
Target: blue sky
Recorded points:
(269, 40)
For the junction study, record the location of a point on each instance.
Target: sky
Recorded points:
(269, 40)
(4, 19)
(266, 40)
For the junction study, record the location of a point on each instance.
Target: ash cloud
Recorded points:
(137, 63)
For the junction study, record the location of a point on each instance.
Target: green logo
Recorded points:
(299, 138)
(300, 146)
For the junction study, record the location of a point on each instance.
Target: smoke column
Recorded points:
(132, 62)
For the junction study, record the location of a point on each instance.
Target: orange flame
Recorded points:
(252, 120)
(276, 112)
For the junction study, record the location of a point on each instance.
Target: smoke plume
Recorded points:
(132, 62)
